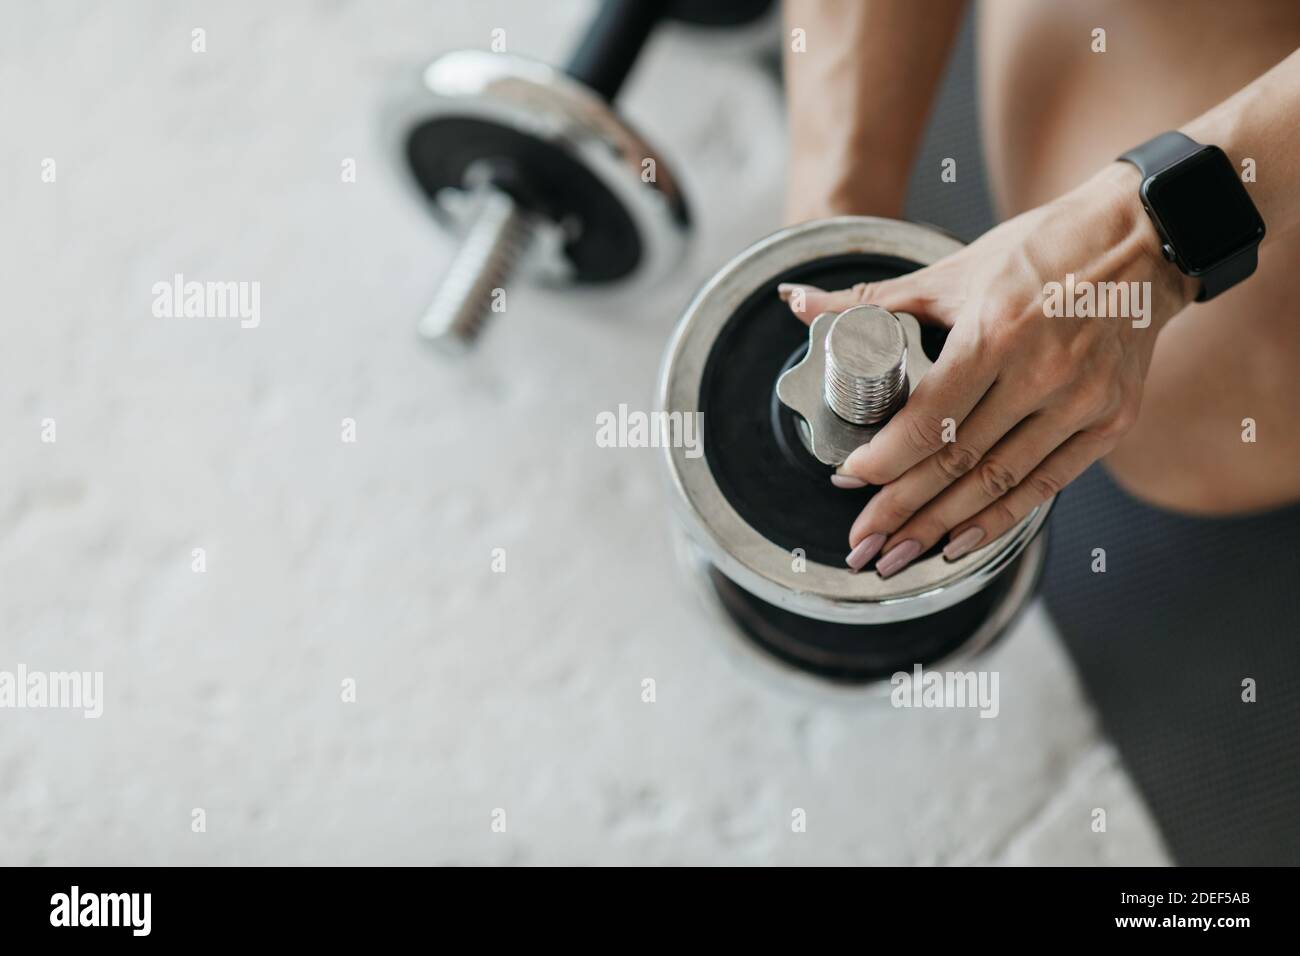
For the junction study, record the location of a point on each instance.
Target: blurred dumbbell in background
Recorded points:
(533, 170)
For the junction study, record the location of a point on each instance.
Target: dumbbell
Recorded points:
(764, 531)
(519, 159)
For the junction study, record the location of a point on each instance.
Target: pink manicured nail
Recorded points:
(847, 481)
(865, 551)
(963, 543)
(899, 557)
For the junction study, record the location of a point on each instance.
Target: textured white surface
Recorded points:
(371, 560)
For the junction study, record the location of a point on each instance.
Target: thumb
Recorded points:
(897, 295)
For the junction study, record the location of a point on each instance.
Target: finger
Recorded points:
(954, 515)
(999, 472)
(931, 417)
(1002, 408)
(808, 301)
(1056, 471)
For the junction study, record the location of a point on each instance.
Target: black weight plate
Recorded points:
(750, 438)
(541, 177)
(859, 653)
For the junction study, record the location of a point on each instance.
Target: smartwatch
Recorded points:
(1207, 224)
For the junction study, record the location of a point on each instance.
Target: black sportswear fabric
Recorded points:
(1185, 612)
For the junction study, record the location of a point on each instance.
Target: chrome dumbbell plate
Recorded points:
(856, 653)
(757, 500)
(560, 150)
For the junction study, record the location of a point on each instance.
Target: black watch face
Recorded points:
(1204, 209)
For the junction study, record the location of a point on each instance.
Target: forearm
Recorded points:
(859, 94)
(1261, 122)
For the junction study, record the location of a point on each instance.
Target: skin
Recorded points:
(1035, 400)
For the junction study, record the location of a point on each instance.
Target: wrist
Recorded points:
(1117, 187)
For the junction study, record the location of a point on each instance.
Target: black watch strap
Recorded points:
(1163, 151)
(1228, 273)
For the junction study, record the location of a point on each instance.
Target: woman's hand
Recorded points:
(1023, 398)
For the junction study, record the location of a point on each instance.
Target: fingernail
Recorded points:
(899, 557)
(865, 551)
(963, 543)
(847, 481)
(786, 289)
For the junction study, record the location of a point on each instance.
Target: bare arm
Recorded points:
(1262, 122)
(858, 95)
